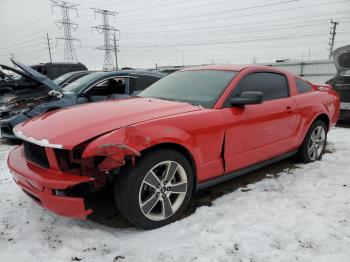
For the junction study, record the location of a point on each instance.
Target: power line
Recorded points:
(68, 27)
(255, 24)
(227, 11)
(267, 39)
(176, 22)
(26, 25)
(106, 29)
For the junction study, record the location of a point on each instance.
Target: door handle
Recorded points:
(289, 109)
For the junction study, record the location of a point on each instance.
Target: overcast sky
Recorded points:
(173, 32)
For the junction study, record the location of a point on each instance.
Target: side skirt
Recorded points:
(229, 176)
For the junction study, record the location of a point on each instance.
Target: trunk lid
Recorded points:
(341, 58)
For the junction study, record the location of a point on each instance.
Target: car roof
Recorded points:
(236, 68)
(128, 72)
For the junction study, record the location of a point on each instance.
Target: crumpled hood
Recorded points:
(341, 58)
(69, 127)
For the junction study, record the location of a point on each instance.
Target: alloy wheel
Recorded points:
(317, 143)
(163, 190)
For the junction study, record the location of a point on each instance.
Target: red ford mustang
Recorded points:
(190, 130)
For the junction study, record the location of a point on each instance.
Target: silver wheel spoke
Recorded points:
(167, 208)
(163, 190)
(170, 171)
(313, 136)
(150, 204)
(312, 151)
(178, 188)
(320, 142)
(152, 180)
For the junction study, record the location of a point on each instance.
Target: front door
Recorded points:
(255, 133)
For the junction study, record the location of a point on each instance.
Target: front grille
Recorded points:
(35, 154)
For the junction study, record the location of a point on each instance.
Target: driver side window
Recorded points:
(108, 87)
(272, 85)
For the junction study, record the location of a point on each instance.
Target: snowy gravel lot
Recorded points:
(285, 212)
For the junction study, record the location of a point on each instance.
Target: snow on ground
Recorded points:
(302, 214)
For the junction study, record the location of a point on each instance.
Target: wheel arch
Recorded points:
(323, 117)
(179, 148)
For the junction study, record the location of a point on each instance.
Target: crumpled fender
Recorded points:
(130, 141)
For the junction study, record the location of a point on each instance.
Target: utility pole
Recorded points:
(115, 52)
(68, 26)
(183, 58)
(106, 30)
(333, 32)
(49, 46)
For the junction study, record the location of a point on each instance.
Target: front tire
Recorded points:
(314, 144)
(155, 191)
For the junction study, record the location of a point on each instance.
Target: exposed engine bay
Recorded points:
(20, 101)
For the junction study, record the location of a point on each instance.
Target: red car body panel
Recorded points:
(60, 127)
(39, 183)
(218, 140)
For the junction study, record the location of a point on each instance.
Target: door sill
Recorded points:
(229, 176)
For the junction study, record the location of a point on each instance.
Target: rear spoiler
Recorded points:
(324, 87)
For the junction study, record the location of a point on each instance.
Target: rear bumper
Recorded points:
(344, 114)
(41, 184)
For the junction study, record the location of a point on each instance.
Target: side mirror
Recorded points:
(248, 98)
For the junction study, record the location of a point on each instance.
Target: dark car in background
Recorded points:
(68, 78)
(13, 80)
(341, 82)
(54, 70)
(16, 81)
(96, 86)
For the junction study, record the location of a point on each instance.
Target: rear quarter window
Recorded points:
(302, 86)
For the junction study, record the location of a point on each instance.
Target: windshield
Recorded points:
(61, 79)
(202, 87)
(79, 85)
(346, 73)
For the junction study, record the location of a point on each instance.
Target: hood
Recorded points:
(36, 76)
(69, 127)
(8, 68)
(341, 58)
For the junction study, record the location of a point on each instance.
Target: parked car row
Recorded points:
(42, 95)
(186, 131)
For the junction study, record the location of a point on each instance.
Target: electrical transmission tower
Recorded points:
(106, 30)
(68, 26)
(333, 32)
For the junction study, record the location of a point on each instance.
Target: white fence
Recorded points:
(317, 71)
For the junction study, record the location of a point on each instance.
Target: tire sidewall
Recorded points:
(135, 178)
(304, 150)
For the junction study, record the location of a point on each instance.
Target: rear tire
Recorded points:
(314, 144)
(155, 191)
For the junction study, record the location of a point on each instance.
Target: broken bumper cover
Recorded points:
(41, 184)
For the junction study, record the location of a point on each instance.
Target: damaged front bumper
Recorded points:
(48, 187)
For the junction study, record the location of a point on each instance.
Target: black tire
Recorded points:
(303, 153)
(129, 182)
